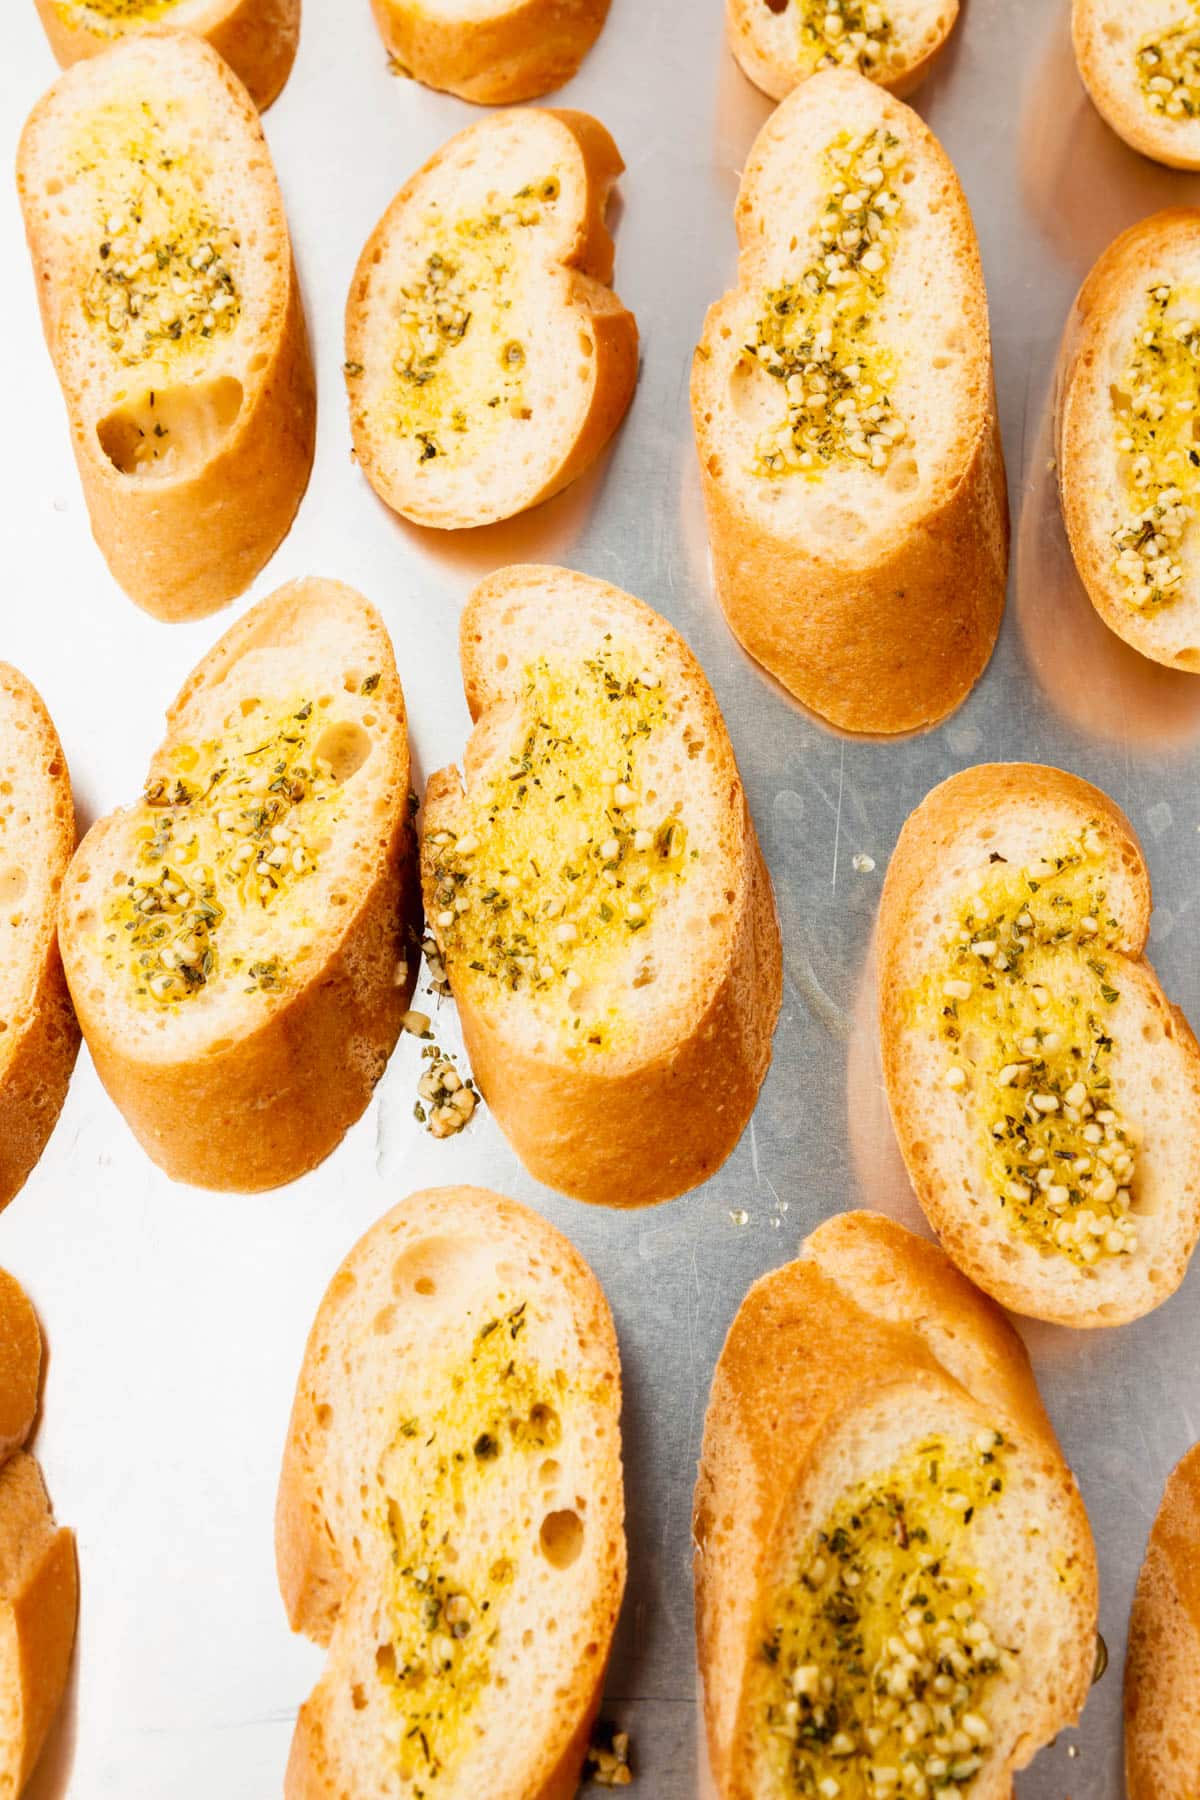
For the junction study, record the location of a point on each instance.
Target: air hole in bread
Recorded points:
(549, 1472)
(904, 475)
(358, 1697)
(1113, 30)
(425, 1286)
(383, 1321)
(13, 883)
(561, 1538)
(166, 432)
(345, 746)
(385, 1659)
(585, 343)
(1188, 659)
(324, 1415)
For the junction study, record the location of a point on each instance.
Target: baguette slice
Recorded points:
(871, 585)
(1162, 1662)
(257, 38)
(237, 941)
(1012, 1046)
(451, 1519)
(780, 43)
(867, 1392)
(496, 52)
(1127, 474)
(1123, 49)
(144, 170)
(488, 361)
(598, 893)
(39, 1037)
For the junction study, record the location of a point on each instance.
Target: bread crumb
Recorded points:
(607, 1763)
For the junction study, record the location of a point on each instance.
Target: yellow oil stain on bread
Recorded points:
(257, 38)
(1045, 1093)
(488, 361)
(173, 316)
(598, 895)
(450, 1523)
(1140, 63)
(845, 417)
(496, 52)
(780, 43)
(239, 942)
(1162, 1661)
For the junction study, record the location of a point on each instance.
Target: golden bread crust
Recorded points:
(512, 50)
(1162, 1662)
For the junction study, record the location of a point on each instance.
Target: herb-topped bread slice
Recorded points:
(895, 1579)
(493, 51)
(450, 1517)
(1045, 1093)
(780, 43)
(1140, 62)
(1162, 1662)
(257, 38)
(598, 894)
(172, 314)
(845, 417)
(488, 361)
(237, 942)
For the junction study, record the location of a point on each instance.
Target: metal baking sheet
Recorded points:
(175, 1320)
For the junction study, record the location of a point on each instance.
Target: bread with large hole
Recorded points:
(1162, 1660)
(895, 1579)
(257, 38)
(1140, 62)
(488, 360)
(1045, 1093)
(173, 316)
(495, 52)
(239, 941)
(845, 417)
(780, 43)
(450, 1523)
(598, 895)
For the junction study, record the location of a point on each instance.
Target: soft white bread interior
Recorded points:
(496, 52)
(488, 361)
(1045, 1093)
(173, 316)
(1140, 62)
(1129, 456)
(845, 416)
(39, 1037)
(1162, 1661)
(257, 38)
(895, 1579)
(237, 941)
(598, 894)
(451, 1518)
(780, 43)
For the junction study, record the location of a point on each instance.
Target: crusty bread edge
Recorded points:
(526, 49)
(1162, 1661)
(777, 80)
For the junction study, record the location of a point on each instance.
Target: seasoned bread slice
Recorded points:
(780, 43)
(1129, 463)
(598, 895)
(173, 315)
(1140, 62)
(496, 52)
(237, 942)
(451, 1519)
(849, 450)
(1162, 1662)
(39, 1037)
(488, 361)
(1045, 1093)
(257, 38)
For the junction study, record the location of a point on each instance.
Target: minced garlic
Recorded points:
(1168, 67)
(1155, 420)
(846, 34)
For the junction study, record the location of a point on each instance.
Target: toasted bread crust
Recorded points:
(1117, 100)
(20, 1364)
(512, 50)
(257, 38)
(1162, 1662)
(778, 78)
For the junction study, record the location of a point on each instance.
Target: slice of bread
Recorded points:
(257, 38)
(173, 315)
(39, 1037)
(1045, 1093)
(451, 1519)
(895, 1579)
(488, 361)
(238, 943)
(1162, 1662)
(1129, 461)
(598, 894)
(1140, 62)
(496, 52)
(780, 43)
(849, 450)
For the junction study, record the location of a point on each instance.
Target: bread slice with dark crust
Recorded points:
(496, 52)
(1162, 1661)
(1140, 62)
(780, 43)
(257, 38)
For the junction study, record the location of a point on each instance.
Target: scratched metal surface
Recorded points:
(175, 1320)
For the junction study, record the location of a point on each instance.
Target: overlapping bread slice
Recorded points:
(895, 1578)
(845, 418)
(780, 43)
(1129, 457)
(1045, 1093)
(450, 1517)
(1140, 62)
(1162, 1662)
(173, 316)
(598, 894)
(257, 38)
(488, 361)
(237, 942)
(494, 51)
(39, 1037)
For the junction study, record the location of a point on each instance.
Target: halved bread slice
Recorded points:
(238, 942)
(895, 1578)
(39, 1038)
(598, 894)
(1162, 1661)
(451, 1518)
(488, 361)
(257, 38)
(780, 43)
(1045, 1093)
(845, 417)
(173, 315)
(496, 52)
(1140, 62)
(1129, 457)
